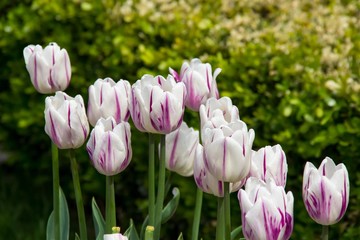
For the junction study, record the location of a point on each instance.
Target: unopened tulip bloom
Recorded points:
(228, 151)
(49, 68)
(206, 181)
(109, 146)
(269, 162)
(65, 120)
(157, 104)
(266, 210)
(109, 99)
(200, 82)
(326, 191)
(180, 150)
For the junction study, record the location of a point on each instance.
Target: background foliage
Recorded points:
(292, 68)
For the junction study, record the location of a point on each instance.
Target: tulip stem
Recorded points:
(220, 224)
(227, 213)
(151, 174)
(325, 232)
(149, 233)
(197, 214)
(78, 196)
(56, 190)
(161, 189)
(110, 205)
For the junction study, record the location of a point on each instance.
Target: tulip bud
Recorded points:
(266, 210)
(109, 99)
(269, 162)
(157, 104)
(199, 81)
(228, 151)
(180, 150)
(109, 146)
(206, 181)
(115, 236)
(326, 191)
(49, 68)
(65, 120)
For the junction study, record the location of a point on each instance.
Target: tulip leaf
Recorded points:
(98, 219)
(171, 207)
(64, 220)
(236, 232)
(143, 227)
(131, 232)
(180, 237)
(77, 236)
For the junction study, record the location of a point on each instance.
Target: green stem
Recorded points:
(227, 213)
(220, 224)
(161, 189)
(56, 190)
(110, 205)
(78, 196)
(149, 233)
(151, 179)
(197, 214)
(325, 232)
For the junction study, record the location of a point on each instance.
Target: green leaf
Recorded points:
(180, 237)
(143, 227)
(131, 232)
(171, 207)
(77, 236)
(98, 219)
(236, 232)
(64, 220)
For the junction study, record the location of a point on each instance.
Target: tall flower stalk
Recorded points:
(56, 190)
(110, 211)
(151, 178)
(197, 214)
(78, 196)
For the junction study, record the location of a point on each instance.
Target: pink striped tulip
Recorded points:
(180, 150)
(200, 82)
(109, 146)
(266, 210)
(109, 99)
(157, 104)
(65, 120)
(269, 163)
(49, 68)
(326, 191)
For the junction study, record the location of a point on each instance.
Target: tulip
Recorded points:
(109, 99)
(266, 210)
(115, 236)
(157, 104)
(326, 191)
(269, 162)
(49, 68)
(65, 120)
(199, 81)
(206, 181)
(228, 151)
(109, 146)
(180, 150)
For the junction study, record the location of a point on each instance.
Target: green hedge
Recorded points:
(292, 68)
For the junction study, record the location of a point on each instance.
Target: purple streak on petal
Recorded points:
(118, 108)
(127, 157)
(84, 131)
(243, 145)
(109, 167)
(173, 151)
(159, 80)
(101, 94)
(289, 226)
(175, 75)
(264, 165)
(208, 78)
(224, 160)
(272, 226)
(344, 199)
(220, 188)
(54, 135)
(35, 74)
(324, 171)
(68, 116)
(167, 115)
(66, 68)
(53, 56)
(282, 169)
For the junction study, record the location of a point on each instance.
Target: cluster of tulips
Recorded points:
(220, 157)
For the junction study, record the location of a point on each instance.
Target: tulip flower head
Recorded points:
(49, 68)
(269, 162)
(109, 99)
(65, 120)
(180, 150)
(200, 82)
(109, 146)
(266, 210)
(326, 191)
(157, 104)
(206, 181)
(228, 151)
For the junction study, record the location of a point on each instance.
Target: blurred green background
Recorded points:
(292, 68)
